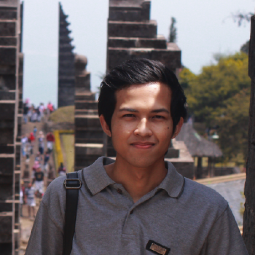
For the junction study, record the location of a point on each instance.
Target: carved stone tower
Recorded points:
(65, 63)
(131, 34)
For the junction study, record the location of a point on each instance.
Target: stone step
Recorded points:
(82, 161)
(85, 105)
(170, 57)
(8, 41)
(86, 112)
(8, 14)
(88, 149)
(123, 42)
(7, 54)
(172, 153)
(65, 72)
(82, 81)
(145, 29)
(8, 82)
(125, 3)
(7, 110)
(85, 121)
(6, 148)
(89, 136)
(130, 13)
(111, 152)
(81, 96)
(8, 28)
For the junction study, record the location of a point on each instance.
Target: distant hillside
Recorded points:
(63, 114)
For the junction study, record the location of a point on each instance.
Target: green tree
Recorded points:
(233, 127)
(219, 95)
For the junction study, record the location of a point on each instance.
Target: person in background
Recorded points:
(39, 181)
(30, 199)
(28, 148)
(25, 112)
(21, 197)
(49, 108)
(34, 116)
(35, 166)
(46, 160)
(32, 139)
(61, 170)
(41, 109)
(41, 142)
(24, 140)
(50, 141)
(38, 114)
(38, 158)
(35, 131)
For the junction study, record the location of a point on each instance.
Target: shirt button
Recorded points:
(119, 191)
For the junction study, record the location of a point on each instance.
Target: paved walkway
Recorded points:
(26, 176)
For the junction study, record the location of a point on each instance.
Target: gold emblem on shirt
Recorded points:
(158, 249)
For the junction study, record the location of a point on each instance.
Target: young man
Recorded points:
(138, 204)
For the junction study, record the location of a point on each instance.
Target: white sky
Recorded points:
(204, 27)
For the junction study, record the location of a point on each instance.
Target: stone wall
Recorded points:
(11, 73)
(89, 137)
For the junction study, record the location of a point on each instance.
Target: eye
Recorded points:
(158, 117)
(129, 115)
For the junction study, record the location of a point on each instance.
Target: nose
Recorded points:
(143, 128)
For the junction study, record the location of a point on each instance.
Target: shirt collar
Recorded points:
(173, 183)
(97, 179)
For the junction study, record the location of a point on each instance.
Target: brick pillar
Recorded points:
(10, 126)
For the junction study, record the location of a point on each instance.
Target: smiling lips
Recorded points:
(141, 145)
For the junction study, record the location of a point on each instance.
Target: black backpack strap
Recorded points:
(72, 185)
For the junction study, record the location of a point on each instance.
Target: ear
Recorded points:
(178, 127)
(104, 125)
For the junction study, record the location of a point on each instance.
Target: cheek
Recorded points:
(122, 130)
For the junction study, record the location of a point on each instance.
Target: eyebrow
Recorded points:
(127, 110)
(133, 110)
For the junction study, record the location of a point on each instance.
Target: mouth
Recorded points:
(140, 145)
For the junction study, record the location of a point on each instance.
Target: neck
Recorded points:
(138, 181)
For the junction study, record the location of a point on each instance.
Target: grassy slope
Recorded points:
(63, 114)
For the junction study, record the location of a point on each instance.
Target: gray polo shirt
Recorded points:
(179, 214)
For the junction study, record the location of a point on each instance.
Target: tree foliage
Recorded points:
(219, 96)
(241, 18)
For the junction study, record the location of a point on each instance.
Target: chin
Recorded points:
(143, 163)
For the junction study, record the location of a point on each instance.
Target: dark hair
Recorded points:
(140, 71)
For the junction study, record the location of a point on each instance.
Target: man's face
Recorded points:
(141, 125)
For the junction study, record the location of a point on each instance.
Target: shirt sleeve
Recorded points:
(224, 237)
(47, 233)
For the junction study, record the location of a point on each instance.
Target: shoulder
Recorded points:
(204, 198)
(56, 192)
(54, 197)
